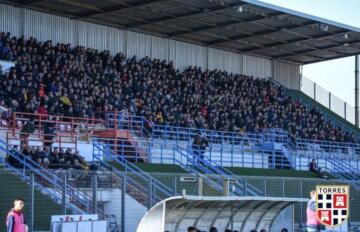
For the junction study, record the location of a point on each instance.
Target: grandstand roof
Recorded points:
(242, 26)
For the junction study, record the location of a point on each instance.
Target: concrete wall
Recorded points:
(134, 211)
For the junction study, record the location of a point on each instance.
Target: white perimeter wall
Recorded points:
(20, 21)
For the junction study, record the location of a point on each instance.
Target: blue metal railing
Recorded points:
(161, 151)
(182, 156)
(141, 191)
(272, 149)
(335, 149)
(214, 169)
(75, 199)
(144, 128)
(141, 127)
(343, 170)
(102, 152)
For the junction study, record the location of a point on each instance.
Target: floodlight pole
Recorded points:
(357, 90)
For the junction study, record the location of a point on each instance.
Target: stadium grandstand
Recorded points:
(159, 115)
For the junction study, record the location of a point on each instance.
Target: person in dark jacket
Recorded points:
(11, 159)
(314, 168)
(49, 132)
(196, 147)
(191, 229)
(25, 132)
(204, 144)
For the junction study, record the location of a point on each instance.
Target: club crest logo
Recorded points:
(332, 204)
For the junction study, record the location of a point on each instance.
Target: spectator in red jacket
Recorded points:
(42, 110)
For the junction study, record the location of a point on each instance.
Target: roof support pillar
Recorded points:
(357, 90)
(200, 185)
(226, 186)
(273, 69)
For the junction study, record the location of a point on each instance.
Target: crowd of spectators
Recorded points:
(54, 158)
(76, 81)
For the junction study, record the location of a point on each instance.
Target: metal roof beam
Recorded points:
(33, 1)
(187, 14)
(115, 8)
(229, 23)
(150, 9)
(24, 2)
(301, 40)
(262, 33)
(331, 58)
(281, 50)
(82, 5)
(317, 49)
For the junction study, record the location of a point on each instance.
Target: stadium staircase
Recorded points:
(281, 149)
(211, 172)
(344, 170)
(52, 184)
(140, 185)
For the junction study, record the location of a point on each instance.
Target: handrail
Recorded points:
(87, 125)
(66, 119)
(327, 143)
(140, 149)
(42, 188)
(140, 120)
(129, 122)
(343, 172)
(193, 170)
(141, 189)
(130, 166)
(45, 174)
(204, 164)
(58, 138)
(220, 170)
(138, 123)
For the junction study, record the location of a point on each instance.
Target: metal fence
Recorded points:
(123, 211)
(233, 142)
(328, 100)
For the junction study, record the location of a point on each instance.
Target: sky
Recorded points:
(336, 76)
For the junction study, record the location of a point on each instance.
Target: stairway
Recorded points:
(48, 182)
(213, 173)
(343, 170)
(140, 185)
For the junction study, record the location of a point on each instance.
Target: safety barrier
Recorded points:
(51, 182)
(141, 181)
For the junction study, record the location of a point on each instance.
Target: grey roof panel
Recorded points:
(243, 26)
